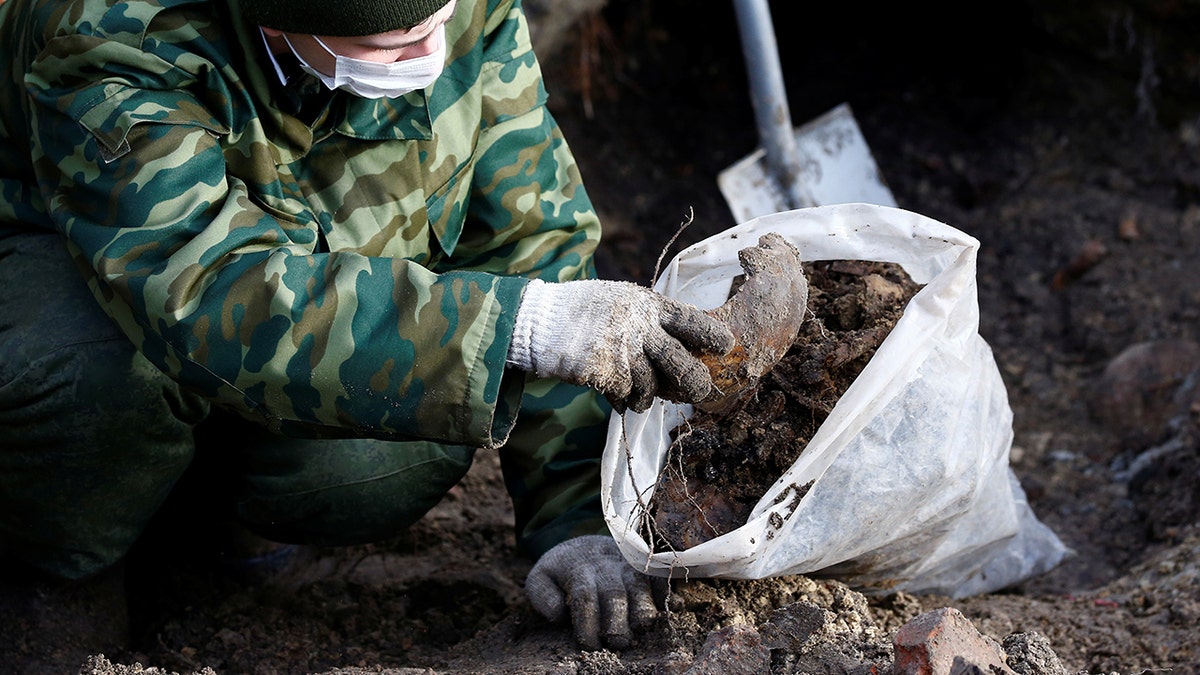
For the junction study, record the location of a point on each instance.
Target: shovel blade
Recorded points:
(836, 167)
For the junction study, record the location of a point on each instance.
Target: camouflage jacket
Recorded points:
(330, 264)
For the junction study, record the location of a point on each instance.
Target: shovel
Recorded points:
(826, 161)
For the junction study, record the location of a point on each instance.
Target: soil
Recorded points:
(720, 463)
(1071, 155)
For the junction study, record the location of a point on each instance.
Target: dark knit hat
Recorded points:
(341, 18)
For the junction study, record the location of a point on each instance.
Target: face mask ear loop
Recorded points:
(301, 58)
(324, 46)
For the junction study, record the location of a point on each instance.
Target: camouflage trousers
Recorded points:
(94, 439)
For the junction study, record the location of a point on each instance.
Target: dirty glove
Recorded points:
(607, 598)
(626, 341)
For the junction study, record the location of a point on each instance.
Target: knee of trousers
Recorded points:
(345, 492)
(92, 440)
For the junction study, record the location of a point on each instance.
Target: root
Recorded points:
(688, 220)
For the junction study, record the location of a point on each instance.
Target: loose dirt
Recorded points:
(720, 463)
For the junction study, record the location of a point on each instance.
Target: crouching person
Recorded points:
(353, 241)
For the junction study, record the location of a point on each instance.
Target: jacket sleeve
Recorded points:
(528, 213)
(552, 459)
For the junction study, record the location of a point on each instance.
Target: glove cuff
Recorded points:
(532, 315)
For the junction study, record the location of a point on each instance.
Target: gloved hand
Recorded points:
(607, 598)
(626, 341)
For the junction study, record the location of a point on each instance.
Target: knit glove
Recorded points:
(588, 579)
(626, 341)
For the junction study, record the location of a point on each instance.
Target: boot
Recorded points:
(50, 625)
(253, 559)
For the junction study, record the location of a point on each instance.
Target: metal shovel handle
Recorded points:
(771, 113)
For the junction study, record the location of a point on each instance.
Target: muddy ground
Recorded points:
(1071, 156)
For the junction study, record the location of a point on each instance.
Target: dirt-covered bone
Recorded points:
(765, 313)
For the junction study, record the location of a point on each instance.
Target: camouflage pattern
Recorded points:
(552, 464)
(298, 271)
(327, 265)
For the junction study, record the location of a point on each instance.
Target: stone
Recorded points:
(1144, 388)
(791, 626)
(944, 642)
(733, 650)
(1030, 654)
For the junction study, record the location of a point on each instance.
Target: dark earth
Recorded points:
(1064, 136)
(720, 463)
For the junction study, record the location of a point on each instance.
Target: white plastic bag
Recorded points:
(912, 488)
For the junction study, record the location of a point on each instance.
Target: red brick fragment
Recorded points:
(944, 642)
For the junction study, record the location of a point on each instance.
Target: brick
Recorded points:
(944, 642)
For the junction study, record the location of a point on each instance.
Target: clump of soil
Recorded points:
(720, 464)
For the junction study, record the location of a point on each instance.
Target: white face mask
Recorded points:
(369, 79)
